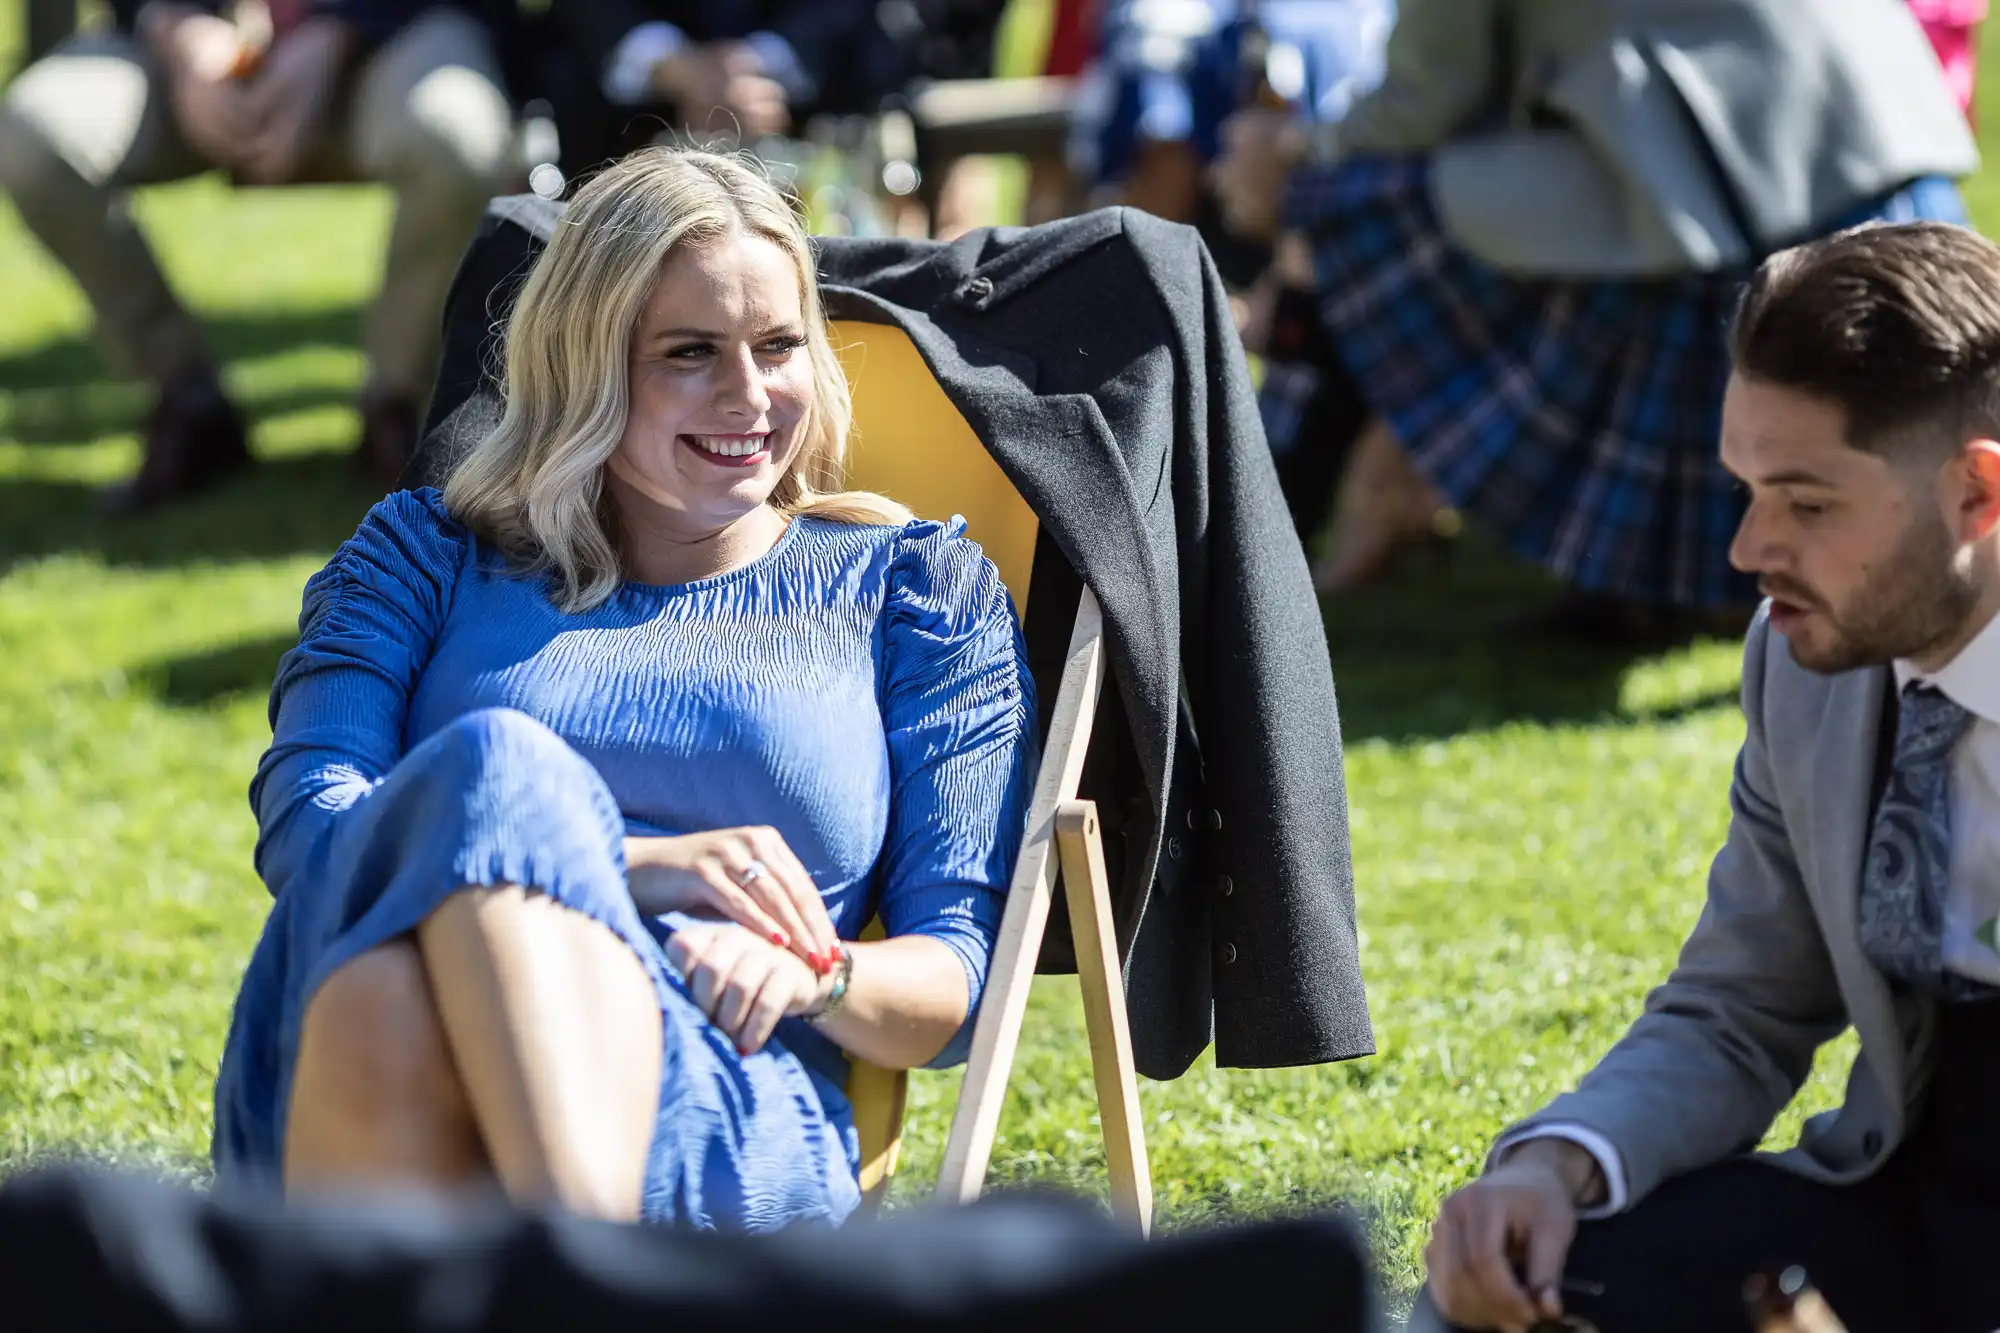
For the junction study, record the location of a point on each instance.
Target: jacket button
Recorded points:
(1871, 1144)
(979, 289)
(1225, 886)
(1228, 953)
(1204, 819)
(1173, 849)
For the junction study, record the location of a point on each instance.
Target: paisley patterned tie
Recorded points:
(1904, 879)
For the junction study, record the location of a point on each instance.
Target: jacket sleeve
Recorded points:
(1440, 73)
(377, 20)
(125, 13)
(821, 34)
(592, 29)
(1725, 1042)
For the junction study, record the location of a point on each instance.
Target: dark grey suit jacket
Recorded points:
(1097, 360)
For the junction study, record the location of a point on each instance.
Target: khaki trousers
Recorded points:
(424, 114)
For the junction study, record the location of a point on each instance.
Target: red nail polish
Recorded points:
(778, 938)
(817, 963)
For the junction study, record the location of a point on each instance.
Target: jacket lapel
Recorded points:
(1844, 768)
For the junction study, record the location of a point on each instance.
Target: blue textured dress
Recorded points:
(440, 723)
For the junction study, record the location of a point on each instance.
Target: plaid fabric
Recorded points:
(1575, 420)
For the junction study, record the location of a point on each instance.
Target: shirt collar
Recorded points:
(1971, 680)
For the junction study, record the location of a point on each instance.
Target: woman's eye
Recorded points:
(690, 351)
(1803, 510)
(781, 346)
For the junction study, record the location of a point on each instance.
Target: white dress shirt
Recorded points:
(1971, 941)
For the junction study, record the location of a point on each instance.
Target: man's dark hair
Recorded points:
(1897, 324)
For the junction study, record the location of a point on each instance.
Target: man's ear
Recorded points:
(1979, 500)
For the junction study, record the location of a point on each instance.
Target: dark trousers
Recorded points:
(1914, 1247)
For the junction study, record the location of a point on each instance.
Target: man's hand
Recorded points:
(722, 85)
(1518, 1218)
(291, 97)
(199, 54)
(1260, 148)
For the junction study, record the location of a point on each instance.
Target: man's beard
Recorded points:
(1916, 602)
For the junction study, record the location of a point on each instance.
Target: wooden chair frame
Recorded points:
(1062, 835)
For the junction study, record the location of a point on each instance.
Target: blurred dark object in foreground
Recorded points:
(83, 1248)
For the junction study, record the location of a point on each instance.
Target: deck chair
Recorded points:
(911, 444)
(1204, 964)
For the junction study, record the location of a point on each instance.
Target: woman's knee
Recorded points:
(372, 1043)
(503, 766)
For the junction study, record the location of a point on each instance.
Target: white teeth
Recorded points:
(730, 446)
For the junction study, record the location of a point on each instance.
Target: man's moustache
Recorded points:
(1787, 593)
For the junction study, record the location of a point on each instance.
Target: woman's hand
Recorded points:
(742, 983)
(745, 875)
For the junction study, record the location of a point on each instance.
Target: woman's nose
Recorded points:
(740, 385)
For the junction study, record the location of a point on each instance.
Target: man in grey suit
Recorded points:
(1860, 883)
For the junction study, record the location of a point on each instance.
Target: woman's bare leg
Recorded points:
(376, 1099)
(555, 1031)
(1385, 503)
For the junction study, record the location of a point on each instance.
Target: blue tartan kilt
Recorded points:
(1575, 420)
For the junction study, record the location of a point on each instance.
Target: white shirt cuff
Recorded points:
(1616, 1195)
(781, 65)
(628, 74)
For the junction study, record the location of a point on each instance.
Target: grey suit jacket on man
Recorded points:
(1641, 137)
(1774, 967)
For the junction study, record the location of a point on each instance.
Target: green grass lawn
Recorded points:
(1531, 829)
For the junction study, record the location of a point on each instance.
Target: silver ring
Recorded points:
(751, 873)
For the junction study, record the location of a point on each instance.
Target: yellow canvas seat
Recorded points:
(912, 444)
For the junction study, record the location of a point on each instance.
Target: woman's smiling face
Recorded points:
(719, 383)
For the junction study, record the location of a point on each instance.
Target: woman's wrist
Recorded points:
(833, 987)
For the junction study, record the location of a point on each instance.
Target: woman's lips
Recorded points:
(701, 446)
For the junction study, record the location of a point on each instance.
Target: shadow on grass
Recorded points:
(61, 393)
(280, 507)
(1429, 654)
(73, 362)
(220, 675)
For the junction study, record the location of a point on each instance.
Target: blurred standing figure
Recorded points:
(403, 92)
(1528, 241)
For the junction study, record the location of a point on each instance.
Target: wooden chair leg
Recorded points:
(997, 1032)
(1088, 891)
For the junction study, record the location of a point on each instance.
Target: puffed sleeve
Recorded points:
(959, 709)
(338, 705)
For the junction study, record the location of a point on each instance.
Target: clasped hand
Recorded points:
(768, 948)
(263, 126)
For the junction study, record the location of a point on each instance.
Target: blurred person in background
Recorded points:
(740, 69)
(1168, 73)
(402, 92)
(1527, 243)
(1953, 29)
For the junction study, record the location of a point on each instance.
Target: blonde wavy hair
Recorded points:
(535, 486)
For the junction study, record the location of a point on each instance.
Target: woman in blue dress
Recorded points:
(586, 772)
